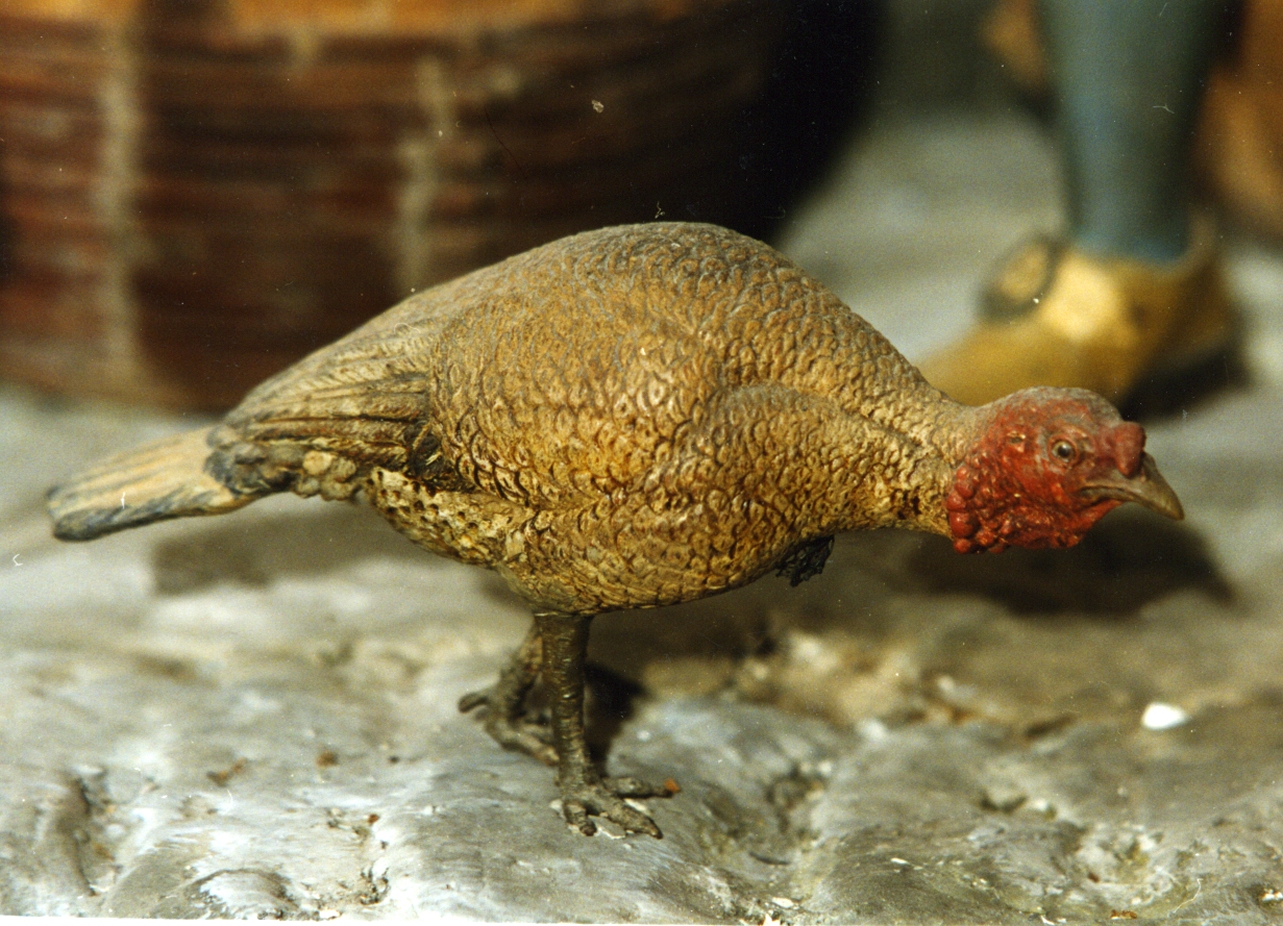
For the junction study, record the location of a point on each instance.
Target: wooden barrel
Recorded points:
(194, 193)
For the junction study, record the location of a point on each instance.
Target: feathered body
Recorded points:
(628, 418)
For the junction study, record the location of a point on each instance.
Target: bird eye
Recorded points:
(1064, 451)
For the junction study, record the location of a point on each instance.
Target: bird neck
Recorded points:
(885, 477)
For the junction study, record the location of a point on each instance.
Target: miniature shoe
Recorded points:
(1058, 316)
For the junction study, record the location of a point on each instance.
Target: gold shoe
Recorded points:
(1057, 316)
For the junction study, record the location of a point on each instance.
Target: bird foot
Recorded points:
(511, 729)
(606, 798)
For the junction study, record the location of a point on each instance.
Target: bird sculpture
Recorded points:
(629, 418)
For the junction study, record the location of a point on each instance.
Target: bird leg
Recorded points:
(556, 646)
(504, 701)
(584, 792)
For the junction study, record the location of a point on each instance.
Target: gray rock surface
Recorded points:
(254, 716)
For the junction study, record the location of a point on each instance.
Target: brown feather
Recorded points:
(164, 479)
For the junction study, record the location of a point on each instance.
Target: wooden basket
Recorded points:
(194, 193)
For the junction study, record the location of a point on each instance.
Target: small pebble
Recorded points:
(1160, 716)
(1003, 798)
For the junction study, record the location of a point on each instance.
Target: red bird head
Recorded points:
(1049, 464)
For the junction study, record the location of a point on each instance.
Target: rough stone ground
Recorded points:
(254, 715)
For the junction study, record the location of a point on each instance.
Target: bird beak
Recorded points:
(1146, 488)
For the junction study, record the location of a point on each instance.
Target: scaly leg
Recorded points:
(555, 647)
(584, 792)
(505, 718)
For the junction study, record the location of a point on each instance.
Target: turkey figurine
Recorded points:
(629, 418)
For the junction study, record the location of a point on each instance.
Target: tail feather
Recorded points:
(164, 479)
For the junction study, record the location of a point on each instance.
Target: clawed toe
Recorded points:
(511, 731)
(473, 700)
(581, 803)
